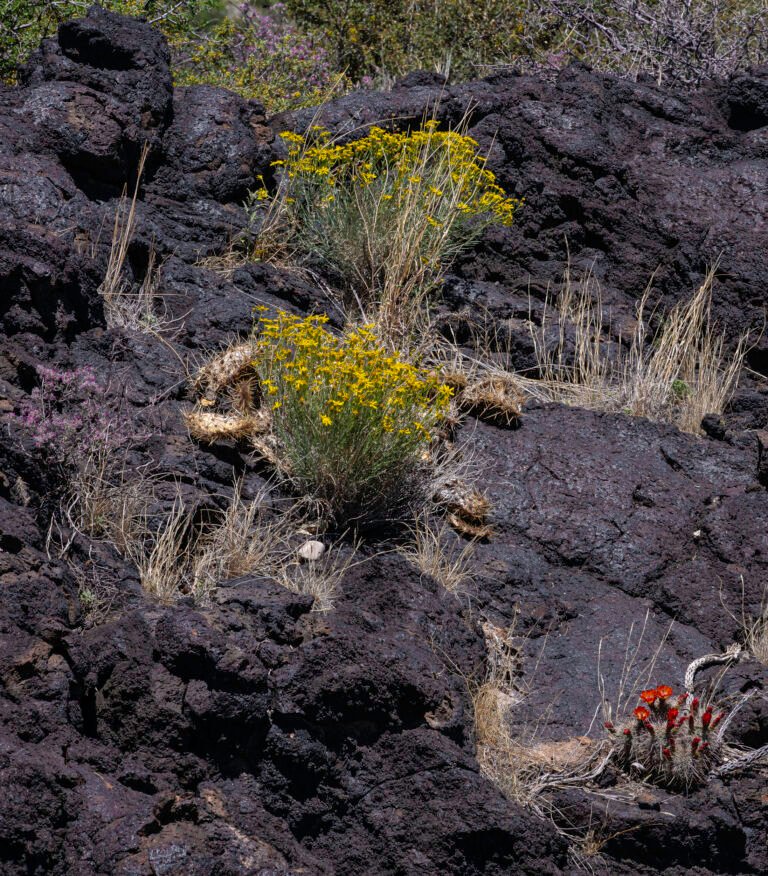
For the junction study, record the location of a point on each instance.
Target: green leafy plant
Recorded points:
(382, 216)
(260, 55)
(353, 422)
(24, 23)
(392, 37)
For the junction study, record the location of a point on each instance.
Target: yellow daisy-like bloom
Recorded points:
(400, 164)
(368, 390)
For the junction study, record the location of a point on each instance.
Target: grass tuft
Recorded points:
(429, 552)
(186, 557)
(676, 375)
(125, 307)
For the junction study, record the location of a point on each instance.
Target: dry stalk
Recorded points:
(523, 766)
(756, 637)
(239, 543)
(634, 676)
(104, 500)
(125, 307)
(754, 628)
(428, 552)
(683, 374)
(162, 561)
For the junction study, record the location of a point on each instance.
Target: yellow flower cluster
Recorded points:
(346, 384)
(401, 163)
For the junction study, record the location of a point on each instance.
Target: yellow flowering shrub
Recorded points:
(353, 420)
(384, 215)
(401, 164)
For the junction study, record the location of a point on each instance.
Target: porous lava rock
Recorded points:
(255, 735)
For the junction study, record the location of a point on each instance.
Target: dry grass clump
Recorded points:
(754, 627)
(756, 637)
(124, 305)
(186, 557)
(429, 552)
(676, 375)
(106, 498)
(523, 766)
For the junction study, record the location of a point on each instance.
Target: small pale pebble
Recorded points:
(311, 550)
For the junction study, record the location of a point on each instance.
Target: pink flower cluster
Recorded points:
(272, 34)
(67, 414)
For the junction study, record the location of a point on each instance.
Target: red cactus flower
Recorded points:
(667, 753)
(694, 704)
(627, 731)
(695, 742)
(664, 691)
(641, 713)
(672, 716)
(706, 718)
(608, 726)
(704, 746)
(649, 727)
(716, 720)
(649, 696)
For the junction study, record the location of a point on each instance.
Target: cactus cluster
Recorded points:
(669, 740)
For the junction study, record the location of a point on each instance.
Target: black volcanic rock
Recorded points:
(254, 735)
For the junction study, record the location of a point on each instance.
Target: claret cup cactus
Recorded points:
(669, 740)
